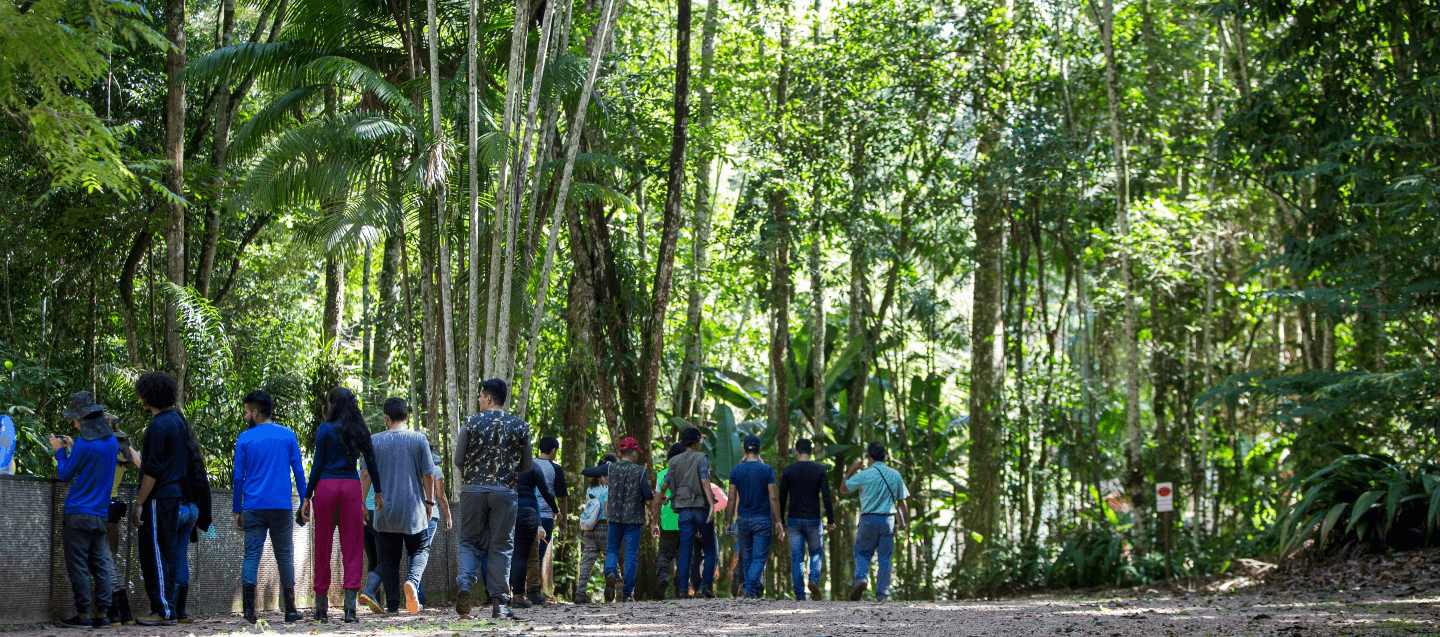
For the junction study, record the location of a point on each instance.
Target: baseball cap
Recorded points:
(630, 444)
(690, 436)
(803, 445)
(752, 443)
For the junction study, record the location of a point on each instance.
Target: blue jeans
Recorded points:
(875, 532)
(184, 524)
(803, 534)
(753, 534)
(277, 523)
(487, 538)
(630, 535)
(693, 521)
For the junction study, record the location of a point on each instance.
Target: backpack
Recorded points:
(590, 515)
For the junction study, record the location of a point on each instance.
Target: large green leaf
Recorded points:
(728, 451)
(1330, 519)
(1363, 504)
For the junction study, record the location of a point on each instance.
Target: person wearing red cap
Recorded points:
(625, 512)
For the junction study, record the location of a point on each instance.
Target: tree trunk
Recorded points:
(780, 338)
(445, 311)
(817, 324)
(505, 214)
(981, 513)
(473, 336)
(143, 238)
(1135, 477)
(334, 299)
(688, 404)
(221, 144)
(385, 315)
(175, 182)
(572, 148)
(366, 324)
(255, 228)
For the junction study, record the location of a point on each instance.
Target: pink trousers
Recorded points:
(339, 504)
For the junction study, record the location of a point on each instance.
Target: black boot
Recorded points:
(291, 614)
(322, 606)
(112, 614)
(182, 592)
(350, 595)
(247, 601)
(121, 602)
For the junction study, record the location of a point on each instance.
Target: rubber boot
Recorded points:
(350, 595)
(247, 602)
(122, 603)
(181, 593)
(322, 606)
(112, 614)
(291, 613)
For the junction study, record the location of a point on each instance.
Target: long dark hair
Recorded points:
(349, 423)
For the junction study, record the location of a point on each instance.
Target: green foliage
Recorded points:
(1360, 502)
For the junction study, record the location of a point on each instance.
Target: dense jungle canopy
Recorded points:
(1051, 253)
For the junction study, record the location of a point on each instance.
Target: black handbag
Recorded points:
(118, 509)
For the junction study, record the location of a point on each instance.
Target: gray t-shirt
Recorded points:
(547, 471)
(403, 459)
(439, 475)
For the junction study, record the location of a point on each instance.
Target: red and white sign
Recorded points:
(1164, 497)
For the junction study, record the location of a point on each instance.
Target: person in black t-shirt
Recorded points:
(803, 486)
(157, 505)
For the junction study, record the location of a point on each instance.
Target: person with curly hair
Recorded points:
(334, 498)
(156, 514)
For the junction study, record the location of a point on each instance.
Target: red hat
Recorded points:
(630, 444)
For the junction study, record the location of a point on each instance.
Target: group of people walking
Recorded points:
(383, 494)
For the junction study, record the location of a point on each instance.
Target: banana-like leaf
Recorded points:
(1392, 502)
(1330, 519)
(728, 451)
(842, 362)
(1362, 505)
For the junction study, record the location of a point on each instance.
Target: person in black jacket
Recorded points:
(528, 527)
(803, 486)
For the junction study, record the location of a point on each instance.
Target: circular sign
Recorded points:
(1164, 492)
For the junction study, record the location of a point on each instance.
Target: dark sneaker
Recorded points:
(708, 593)
(612, 582)
(521, 603)
(154, 620)
(501, 610)
(858, 591)
(629, 598)
(462, 604)
(78, 622)
(815, 593)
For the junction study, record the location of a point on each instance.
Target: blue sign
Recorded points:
(7, 445)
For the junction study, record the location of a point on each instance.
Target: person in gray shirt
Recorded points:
(402, 523)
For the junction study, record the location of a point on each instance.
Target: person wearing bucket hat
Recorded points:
(625, 513)
(755, 509)
(88, 464)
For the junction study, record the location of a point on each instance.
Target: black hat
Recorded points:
(752, 443)
(803, 446)
(689, 436)
(82, 405)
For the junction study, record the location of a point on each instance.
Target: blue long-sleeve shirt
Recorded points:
(266, 455)
(90, 470)
(333, 461)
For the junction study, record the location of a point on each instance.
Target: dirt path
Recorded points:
(1152, 615)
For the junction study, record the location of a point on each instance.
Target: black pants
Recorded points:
(527, 522)
(86, 555)
(159, 518)
(392, 547)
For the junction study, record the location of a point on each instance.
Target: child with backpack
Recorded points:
(594, 537)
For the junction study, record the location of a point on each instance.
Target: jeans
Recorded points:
(184, 525)
(695, 527)
(414, 559)
(277, 523)
(527, 522)
(86, 555)
(487, 528)
(753, 534)
(156, 539)
(390, 547)
(875, 532)
(629, 534)
(803, 534)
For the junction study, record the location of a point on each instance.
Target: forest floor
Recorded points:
(1371, 596)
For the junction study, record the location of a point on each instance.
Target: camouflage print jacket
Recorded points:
(493, 449)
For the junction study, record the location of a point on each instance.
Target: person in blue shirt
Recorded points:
(156, 515)
(882, 495)
(88, 464)
(266, 456)
(754, 509)
(336, 500)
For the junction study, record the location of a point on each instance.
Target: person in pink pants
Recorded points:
(335, 500)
